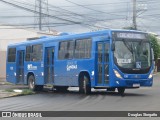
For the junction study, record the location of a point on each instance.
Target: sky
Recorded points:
(82, 15)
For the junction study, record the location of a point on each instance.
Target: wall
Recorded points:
(2, 64)
(10, 35)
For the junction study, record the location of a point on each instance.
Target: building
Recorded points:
(9, 35)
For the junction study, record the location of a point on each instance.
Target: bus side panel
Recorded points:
(67, 71)
(11, 72)
(65, 75)
(37, 69)
(87, 66)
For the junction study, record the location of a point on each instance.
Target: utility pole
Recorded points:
(41, 12)
(134, 15)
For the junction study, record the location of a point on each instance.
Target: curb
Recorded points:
(8, 94)
(11, 94)
(5, 83)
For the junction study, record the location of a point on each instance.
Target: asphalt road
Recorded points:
(142, 99)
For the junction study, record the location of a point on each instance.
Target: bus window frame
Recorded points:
(31, 59)
(90, 49)
(8, 55)
(68, 50)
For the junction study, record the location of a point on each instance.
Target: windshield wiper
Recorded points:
(127, 45)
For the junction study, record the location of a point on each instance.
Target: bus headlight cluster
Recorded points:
(117, 74)
(150, 75)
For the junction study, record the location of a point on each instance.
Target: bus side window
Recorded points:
(28, 52)
(62, 50)
(70, 49)
(11, 54)
(37, 53)
(66, 49)
(83, 48)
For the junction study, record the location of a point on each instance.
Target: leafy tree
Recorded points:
(155, 46)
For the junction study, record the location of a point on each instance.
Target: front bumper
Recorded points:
(130, 83)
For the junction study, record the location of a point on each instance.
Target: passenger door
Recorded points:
(49, 65)
(102, 63)
(20, 66)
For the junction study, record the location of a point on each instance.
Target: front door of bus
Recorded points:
(102, 63)
(20, 66)
(49, 65)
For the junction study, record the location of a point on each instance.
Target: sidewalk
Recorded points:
(2, 81)
(6, 89)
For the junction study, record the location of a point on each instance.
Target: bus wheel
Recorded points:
(61, 88)
(86, 85)
(111, 89)
(81, 84)
(32, 86)
(121, 91)
(31, 82)
(38, 87)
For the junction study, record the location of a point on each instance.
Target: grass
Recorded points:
(24, 91)
(6, 83)
(9, 90)
(48, 85)
(27, 92)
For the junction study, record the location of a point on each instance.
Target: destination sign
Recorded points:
(130, 35)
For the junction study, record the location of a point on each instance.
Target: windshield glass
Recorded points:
(132, 54)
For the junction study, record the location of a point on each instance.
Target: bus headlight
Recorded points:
(117, 74)
(150, 75)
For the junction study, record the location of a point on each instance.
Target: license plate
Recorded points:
(136, 85)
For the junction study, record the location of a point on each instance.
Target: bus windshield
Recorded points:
(132, 54)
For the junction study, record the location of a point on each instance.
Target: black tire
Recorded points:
(61, 88)
(84, 84)
(32, 86)
(121, 91)
(81, 90)
(111, 89)
(31, 82)
(38, 87)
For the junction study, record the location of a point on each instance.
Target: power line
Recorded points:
(33, 11)
(30, 10)
(88, 19)
(91, 8)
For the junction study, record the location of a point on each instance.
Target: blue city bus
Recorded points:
(108, 59)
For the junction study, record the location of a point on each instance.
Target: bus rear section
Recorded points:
(24, 64)
(15, 64)
(11, 70)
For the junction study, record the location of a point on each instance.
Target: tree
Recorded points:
(155, 46)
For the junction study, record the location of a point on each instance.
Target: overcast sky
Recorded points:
(84, 15)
